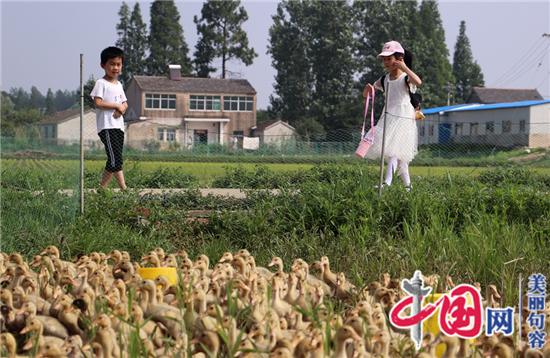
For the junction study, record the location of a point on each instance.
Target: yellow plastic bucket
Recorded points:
(151, 273)
(432, 324)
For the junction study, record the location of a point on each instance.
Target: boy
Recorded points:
(111, 103)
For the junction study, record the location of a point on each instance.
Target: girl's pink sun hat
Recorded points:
(390, 48)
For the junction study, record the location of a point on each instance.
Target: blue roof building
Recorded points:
(510, 124)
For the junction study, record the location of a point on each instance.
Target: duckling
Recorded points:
(327, 275)
(106, 337)
(492, 296)
(8, 344)
(278, 263)
(343, 289)
(69, 317)
(502, 350)
(278, 304)
(281, 352)
(343, 334)
(207, 342)
(51, 351)
(452, 346)
(381, 341)
(52, 327)
(36, 327)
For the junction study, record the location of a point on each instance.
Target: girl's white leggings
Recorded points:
(393, 164)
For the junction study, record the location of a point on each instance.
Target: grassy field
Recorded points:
(487, 227)
(204, 173)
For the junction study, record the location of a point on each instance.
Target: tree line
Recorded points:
(323, 53)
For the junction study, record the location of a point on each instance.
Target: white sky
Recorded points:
(41, 41)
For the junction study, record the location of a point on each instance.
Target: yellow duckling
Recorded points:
(106, 337)
(343, 334)
(8, 345)
(207, 342)
(36, 328)
(52, 327)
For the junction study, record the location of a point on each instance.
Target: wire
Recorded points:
(513, 68)
(525, 67)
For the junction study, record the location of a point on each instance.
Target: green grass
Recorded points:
(204, 173)
(468, 226)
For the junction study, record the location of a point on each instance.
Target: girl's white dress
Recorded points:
(401, 132)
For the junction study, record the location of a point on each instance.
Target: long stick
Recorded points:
(387, 89)
(81, 135)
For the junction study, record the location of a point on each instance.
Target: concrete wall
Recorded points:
(539, 126)
(238, 121)
(277, 133)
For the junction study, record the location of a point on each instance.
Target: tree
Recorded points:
(123, 28)
(50, 104)
(64, 99)
(88, 87)
(221, 36)
(20, 98)
(137, 41)
(466, 71)
(432, 55)
(288, 43)
(37, 99)
(333, 79)
(166, 40)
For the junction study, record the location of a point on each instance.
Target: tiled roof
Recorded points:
(501, 95)
(195, 85)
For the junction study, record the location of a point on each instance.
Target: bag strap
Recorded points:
(369, 95)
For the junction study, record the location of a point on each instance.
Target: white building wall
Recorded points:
(277, 134)
(69, 131)
(539, 126)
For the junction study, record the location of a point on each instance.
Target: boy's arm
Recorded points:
(101, 104)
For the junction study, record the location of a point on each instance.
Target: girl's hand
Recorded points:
(117, 114)
(400, 64)
(368, 89)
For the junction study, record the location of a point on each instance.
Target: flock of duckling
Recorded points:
(99, 306)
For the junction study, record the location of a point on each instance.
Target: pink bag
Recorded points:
(368, 139)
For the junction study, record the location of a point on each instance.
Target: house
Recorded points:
(185, 111)
(513, 124)
(64, 127)
(274, 132)
(485, 95)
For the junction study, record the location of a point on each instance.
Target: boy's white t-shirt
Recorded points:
(109, 92)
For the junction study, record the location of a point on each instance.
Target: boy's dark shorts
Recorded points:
(113, 139)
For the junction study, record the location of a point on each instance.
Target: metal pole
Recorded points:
(520, 309)
(387, 90)
(81, 135)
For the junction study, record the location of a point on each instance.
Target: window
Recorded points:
(171, 135)
(506, 126)
(490, 127)
(204, 103)
(431, 130)
(235, 103)
(160, 101)
(166, 134)
(474, 128)
(48, 131)
(522, 126)
(458, 128)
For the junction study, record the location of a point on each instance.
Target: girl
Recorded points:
(401, 142)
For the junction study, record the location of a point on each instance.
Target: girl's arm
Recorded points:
(413, 77)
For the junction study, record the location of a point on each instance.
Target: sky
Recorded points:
(41, 41)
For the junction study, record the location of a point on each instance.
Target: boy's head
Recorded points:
(110, 53)
(111, 61)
